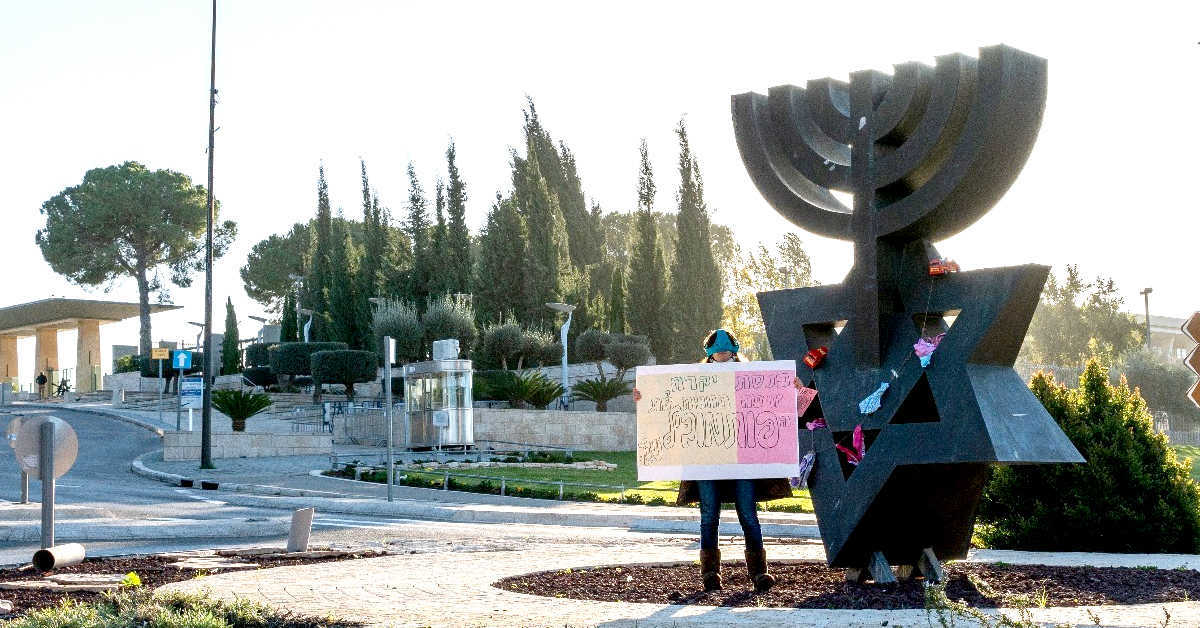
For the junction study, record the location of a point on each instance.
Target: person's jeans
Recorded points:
(710, 512)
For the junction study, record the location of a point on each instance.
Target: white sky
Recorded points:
(90, 84)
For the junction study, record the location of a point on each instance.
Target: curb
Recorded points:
(139, 468)
(112, 414)
(123, 530)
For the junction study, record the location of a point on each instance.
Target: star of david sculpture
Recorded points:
(924, 152)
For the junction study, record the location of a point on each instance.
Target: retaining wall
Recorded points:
(591, 431)
(186, 445)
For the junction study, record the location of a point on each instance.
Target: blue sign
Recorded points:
(191, 392)
(181, 360)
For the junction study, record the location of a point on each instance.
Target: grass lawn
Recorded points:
(1193, 452)
(624, 475)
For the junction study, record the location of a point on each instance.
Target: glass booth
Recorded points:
(437, 404)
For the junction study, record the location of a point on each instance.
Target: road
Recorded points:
(100, 487)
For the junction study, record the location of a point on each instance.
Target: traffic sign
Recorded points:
(1191, 327)
(160, 353)
(191, 392)
(182, 360)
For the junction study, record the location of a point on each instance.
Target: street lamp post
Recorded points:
(262, 330)
(296, 281)
(1146, 293)
(307, 325)
(568, 309)
(199, 334)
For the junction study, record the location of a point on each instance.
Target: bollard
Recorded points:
(560, 489)
(446, 481)
(118, 399)
(24, 487)
(58, 556)
(301, 529)
(502, 481)
(622, 492)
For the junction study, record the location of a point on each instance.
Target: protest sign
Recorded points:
(715, 421)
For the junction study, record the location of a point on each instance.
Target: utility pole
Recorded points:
(206, 408)
(1146, 293)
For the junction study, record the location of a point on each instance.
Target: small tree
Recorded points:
(343, 367)
(231, 359)
(447, 317)
(500, 343)
(399, 320)
(288, 329)
(239, 405)
(1132, 495)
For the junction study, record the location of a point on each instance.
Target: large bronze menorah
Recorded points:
(925, 152)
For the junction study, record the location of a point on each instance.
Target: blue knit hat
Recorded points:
(722, 341)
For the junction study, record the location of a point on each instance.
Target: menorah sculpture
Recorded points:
(925, 152)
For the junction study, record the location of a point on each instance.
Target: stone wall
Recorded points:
(186, 445)
(590, 431)
(133, 381)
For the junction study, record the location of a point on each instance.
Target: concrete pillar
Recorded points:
(8, 358)
(46, 356)
(87, 355)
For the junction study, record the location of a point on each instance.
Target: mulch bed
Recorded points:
(814, 585)
(154, 571)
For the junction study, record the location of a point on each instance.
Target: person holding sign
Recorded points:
(720, 346)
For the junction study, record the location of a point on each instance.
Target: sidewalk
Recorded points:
(455, 589)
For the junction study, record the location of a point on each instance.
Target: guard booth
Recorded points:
(438, 400)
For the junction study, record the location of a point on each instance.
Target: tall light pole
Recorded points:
(1146, 293)
(568, 309)
(206, 404)
(262, 330)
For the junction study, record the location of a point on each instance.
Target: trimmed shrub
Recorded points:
(447, 317)
(627, 352)
(343, 367)
(399, 320)
(149, 368)
(1132, 495)
(259, 353)
(294, 358)
(260, 376)
(589, 346)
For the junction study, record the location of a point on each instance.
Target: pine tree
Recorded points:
(344, 311)
(318, 282)
(503, 247)
(287, 324)
(417, 228)
(617, 323)
(458, 263)
(549, 260)
(647, 269)
(438, 244)
(231, 356)
(695, 294)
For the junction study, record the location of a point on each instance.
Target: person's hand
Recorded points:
(796, 383)
(637, 395)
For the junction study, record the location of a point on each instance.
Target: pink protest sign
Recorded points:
(804, 399)
(717, 421)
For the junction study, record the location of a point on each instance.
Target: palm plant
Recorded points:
(239, 405)
(600, 391)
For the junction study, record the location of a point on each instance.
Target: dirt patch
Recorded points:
(814, 585)
(153, 571)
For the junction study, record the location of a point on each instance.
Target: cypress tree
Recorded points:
(617, 323)
(369, 277)
(503, 247)
(549, 260)
(438, 245)
(287, 324)
(458, 263)
(318, 281)
(343, 306)
(581, 234)
(231, 357)
(647, 269)
(695, 295)
(417, 228)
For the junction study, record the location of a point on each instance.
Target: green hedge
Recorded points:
(260, 375)
(295, 358)
(1132, 495)
(149, 368)
(344, 367)
(259, 353)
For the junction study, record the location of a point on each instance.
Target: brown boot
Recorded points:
(710, 569)
(756, 567)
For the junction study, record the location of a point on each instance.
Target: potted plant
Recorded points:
(239, 405)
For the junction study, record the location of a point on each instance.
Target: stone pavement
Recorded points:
(454, 589)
